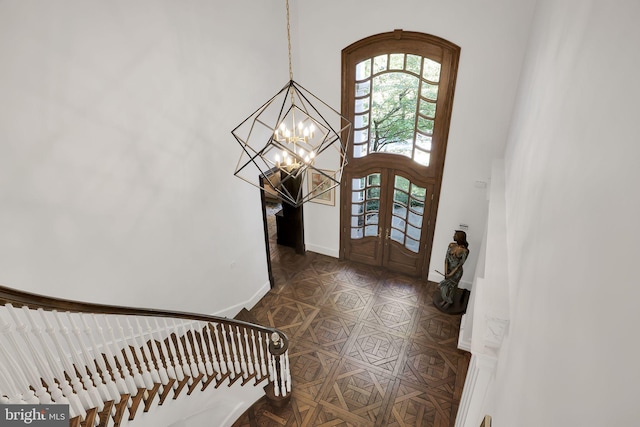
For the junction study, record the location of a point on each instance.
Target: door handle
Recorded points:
(387, 235)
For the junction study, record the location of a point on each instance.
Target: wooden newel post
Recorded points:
(278, 389)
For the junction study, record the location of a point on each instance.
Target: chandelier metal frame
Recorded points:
(287, 137)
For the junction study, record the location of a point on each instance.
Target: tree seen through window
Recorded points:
(396, 98)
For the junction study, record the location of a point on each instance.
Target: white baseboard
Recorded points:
(323, 251)
(235, 309)
(463, 344)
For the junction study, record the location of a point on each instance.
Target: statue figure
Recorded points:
(457, 254)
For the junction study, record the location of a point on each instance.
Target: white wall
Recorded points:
(492, 35)
(115, 121)
(116, 157)
(572, 199)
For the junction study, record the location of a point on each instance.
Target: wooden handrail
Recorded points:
(102, 376)
(36, 301)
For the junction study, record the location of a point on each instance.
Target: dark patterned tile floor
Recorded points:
(367, 346)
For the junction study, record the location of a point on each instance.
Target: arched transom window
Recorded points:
(395, 106)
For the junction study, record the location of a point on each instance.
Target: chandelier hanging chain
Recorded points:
(289, 42)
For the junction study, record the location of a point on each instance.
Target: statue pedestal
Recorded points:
(460, 301)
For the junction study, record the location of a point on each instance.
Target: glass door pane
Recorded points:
(365, 206)
(407, 213)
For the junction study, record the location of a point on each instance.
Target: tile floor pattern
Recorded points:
(367, 347)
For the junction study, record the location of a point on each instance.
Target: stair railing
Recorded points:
(107, 361)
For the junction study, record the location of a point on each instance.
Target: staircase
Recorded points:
(112, 365)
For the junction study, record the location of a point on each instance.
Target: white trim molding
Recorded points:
(486, 324)
(482, 371)
(495, 331)
(235, 309)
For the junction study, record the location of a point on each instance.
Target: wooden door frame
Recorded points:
(265, 225)
(425, 45)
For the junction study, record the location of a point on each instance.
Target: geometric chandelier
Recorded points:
(290, 146)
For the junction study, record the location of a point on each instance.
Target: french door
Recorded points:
(398, 92)
(389, 214)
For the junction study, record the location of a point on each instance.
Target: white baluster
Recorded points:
(120, 385)
(30, 370)
(78, 388)
(263, 364)
(202, 328)
(183, 358)
(162, 371)
(155, 375)
(89, 363)
(52, 371)
(212, 346)
(231, 371)
(274, 376)
(15, 371)
(112, 389)
(256, 355)
(283, 376)
(140, 375)
(48, 366)
(162, 354)
(241, 351)
(5, 388)
(271, 370)
(127, 373)
(247, 349)
(137, 349)
(209, 352)
(223, 363)
(8, 387)
(175, 361)
(187, 345)
(198, 350)
(153, 360)
(236, 362)
(168, 357)
(287, 371)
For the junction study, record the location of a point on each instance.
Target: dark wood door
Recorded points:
(390, 215)
(398, 92)
(407, 222)
(366, 191)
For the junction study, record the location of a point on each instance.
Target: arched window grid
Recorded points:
(427, 74)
